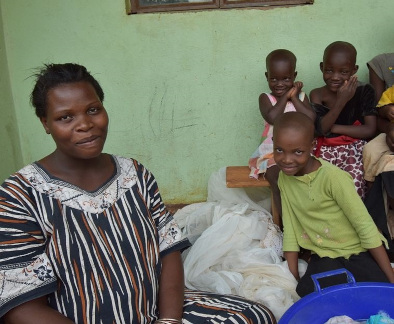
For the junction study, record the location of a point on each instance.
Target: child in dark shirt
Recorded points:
(345, 112)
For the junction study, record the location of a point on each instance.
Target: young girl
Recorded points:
(322, 212)
(345, 112)
(285, 96)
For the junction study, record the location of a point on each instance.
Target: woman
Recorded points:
(85, 236)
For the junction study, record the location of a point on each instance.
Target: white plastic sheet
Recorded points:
(236, 247)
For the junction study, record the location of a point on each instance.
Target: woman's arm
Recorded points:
(382, 259)
(171, 292)
(366, 131)
(35, 311)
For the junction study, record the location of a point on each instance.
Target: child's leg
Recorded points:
(272, 175)
(364, 268)
(317, 265)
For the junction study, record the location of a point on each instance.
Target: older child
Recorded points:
(285, 96)
(378, 159)
(382, 145)
(322, 212)
(381, 72)
(345, 109)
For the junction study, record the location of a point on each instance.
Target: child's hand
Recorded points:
(289, 93)
(295, 90)
(348, 89)
(387, 112)
(298, 85)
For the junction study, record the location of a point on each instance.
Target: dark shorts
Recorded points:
(362, 266)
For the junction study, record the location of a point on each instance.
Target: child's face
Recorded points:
(292, 151)
(280, 77)
(337, 68)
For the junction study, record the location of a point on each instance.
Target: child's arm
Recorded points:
(381, 258)
(344, 94)
(292, 262)
(301, 106)
(382, 125)
(368, 130)
(355, 211)
(387, 112)
(271, 112)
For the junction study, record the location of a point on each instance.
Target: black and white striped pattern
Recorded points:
(96, 253)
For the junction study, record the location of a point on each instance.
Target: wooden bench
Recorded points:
(238, 177)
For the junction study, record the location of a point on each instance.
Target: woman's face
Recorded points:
(76, 119)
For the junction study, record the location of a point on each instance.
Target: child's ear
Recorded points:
(295, 74)
(355, 69)
(266, 75)
(321, 66)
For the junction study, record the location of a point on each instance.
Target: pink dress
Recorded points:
(262, 158)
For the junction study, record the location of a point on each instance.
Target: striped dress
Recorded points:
(97, 255)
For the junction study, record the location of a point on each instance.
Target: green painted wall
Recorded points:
(10, 157)
(181, 88)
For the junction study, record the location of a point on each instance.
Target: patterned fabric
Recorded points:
(348, 158)
(96, 254)
(99, 243)
(223, 309)
(263, 157)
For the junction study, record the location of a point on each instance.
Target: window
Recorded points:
(140, 6)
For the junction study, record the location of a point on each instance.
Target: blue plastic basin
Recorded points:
(356, 300)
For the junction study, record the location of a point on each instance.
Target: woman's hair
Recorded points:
(52, 75)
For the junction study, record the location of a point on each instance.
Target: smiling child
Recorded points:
(285, 96)
(345, 112)
(322, 212)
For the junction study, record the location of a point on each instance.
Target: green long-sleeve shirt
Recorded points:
(322, 212)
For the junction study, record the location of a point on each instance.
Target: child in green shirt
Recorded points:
(322, 212)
